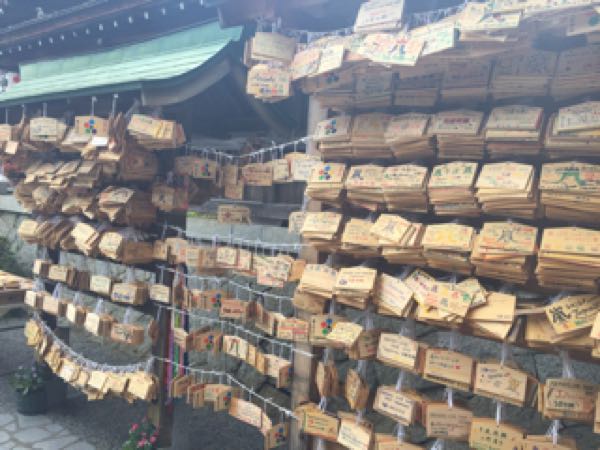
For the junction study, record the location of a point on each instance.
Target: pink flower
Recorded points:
(142, 443)
(134, 427)
(153, 439)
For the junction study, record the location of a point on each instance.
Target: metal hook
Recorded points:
(113, 109)
(94, 100)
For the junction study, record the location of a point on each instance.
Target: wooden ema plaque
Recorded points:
(448, 367)
(444, 422)
(486, 434)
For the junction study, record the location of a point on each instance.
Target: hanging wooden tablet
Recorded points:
(326, 379)
(277, 436)
(486, 434)
(402, 352)
(354, 436)
(444, 422)
(392, 296)
(268, 83)
(34, 299)
(573, 314)
(293, 329)
(317, 423)
(545, 443)
(280, 369)
(236, 309)
(379, 15)
(448, 367)
(54, 306)
(494, 318)
(401, 406)
(581, 395)
(320, 326)
(208, 341)
(503, 383)
(130, 293)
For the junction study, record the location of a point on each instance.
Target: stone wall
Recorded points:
(11, 215)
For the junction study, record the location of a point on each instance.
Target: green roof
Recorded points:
(120, 69)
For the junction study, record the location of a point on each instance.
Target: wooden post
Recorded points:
(303, 388)
(160, 413)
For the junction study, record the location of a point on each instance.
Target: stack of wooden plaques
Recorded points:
(373, 89)
(458, 134)
(318, 280)
(571, 191)
(45, 132)
(126, 207)
(354, 286)
(358, 240)
(569, 258)
(573, 315)
(363, 186)
(322, 230)
(156, 134)
(367, 138)
(86, 238)
(514, 131)
(326, 182)
(466, 81)
(574, 131)
(523, 73)
(405, 188)
(539, 333)
(508, 189)
(407, 137)
(400, 240)
(333, 137)
(421, 91)
(505, 250)
(577, 72)
(448, 247)
(451, 189)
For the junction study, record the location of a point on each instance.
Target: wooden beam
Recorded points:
(159, 94)
(303, 387)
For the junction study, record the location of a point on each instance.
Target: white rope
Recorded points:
(228, 281)
(239, 242)
(85, 362)
(238, 328)
(256, 154)
(231, 379)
